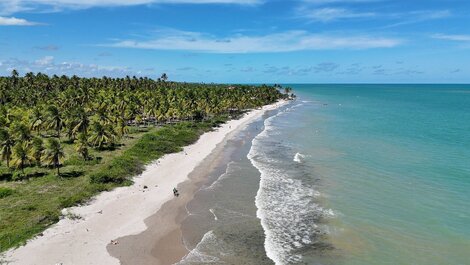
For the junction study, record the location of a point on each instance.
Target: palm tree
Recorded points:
(122, 127)
(54, 153)
(37, 120)
(102, 135)
(55, 119)
(14, 77)
(82, 122)
(37, 150)
(20, 156)
(82, 146)
(164, 77)
(21, 131)
(7, 143)
(287, 90)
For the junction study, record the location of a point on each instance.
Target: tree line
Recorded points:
(39, 112)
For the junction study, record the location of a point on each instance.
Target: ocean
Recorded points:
(345, 175)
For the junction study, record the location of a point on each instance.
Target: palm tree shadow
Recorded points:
(71, 174)
(6, 176)
(21, 177)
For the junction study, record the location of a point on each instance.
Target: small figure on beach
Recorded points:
(175, 192)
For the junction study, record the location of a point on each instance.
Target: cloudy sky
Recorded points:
(246, 41)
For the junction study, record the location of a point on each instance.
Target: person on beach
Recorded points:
(175, 192)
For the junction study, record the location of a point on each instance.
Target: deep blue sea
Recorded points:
(348, 175)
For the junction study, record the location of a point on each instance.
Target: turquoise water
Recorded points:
(344, 175)
(394, 168)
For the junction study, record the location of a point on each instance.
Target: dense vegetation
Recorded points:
(63, 139)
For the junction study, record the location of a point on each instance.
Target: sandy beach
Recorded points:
(123, 211)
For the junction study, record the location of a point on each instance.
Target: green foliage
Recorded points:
(18, 176)
(37, 150)
(54, 154)
(21, 156)
(82, 146)
(114, 126)
(151, 146)
(5, 192)
(20, 131)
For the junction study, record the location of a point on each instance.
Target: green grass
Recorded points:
(30, 204)
(4, 192)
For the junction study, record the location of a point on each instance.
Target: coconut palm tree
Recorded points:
(164, 77)
(37, 120)
(81, 146)
(21, 131)
(21, 156)
(102, 135)
(37, 150)
(54, 154)
(82, 122)
(54, 119)
(14, 77)
(6, 144)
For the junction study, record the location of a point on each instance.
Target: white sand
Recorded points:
(122, 211)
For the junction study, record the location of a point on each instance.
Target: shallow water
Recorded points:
(346, 174)
(395, 168)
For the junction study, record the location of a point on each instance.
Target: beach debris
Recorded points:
(145, 187)
(114, 242)
(100, 212)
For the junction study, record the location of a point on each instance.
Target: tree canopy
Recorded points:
(97, 112)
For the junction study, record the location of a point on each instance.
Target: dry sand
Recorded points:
(122, 212)
(157, 246)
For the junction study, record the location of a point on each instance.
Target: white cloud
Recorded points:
(418, 16)
(465, 38)
(319, 2)
(48, 65)
(15, 6)
(331, 14)
(47, 60)
(13, 21)
(288, 41)
(334, 10)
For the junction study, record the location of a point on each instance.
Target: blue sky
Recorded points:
(245, 41)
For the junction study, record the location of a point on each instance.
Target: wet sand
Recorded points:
(162, 242)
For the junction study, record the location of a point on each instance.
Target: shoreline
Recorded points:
(122, 211)
(157, 246)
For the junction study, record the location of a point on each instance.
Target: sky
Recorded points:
(240, 41)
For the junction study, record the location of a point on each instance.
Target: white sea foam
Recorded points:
(199, 253)
(299, 157)
(285, 205)
(213, 213)
(227, 172)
